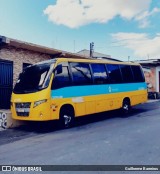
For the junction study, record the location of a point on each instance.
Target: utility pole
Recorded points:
(128, 58)
(74, 46)
(91, 49)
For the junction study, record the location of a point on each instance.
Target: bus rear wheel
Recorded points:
(67, 117)
(126, 107)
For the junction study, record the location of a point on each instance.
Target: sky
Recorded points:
(124, 29)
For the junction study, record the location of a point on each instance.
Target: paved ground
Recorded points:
(102, 139)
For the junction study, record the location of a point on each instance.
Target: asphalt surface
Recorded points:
(106, 138)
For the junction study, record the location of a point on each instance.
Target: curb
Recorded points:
(154, 100)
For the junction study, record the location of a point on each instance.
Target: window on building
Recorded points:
(99, 73)
(138, 74)
(62, 79)
(81, 73)
(114, 73)
(127, 74)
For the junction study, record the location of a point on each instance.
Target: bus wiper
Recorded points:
(28, 91)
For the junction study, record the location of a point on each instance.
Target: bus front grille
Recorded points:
(23, 109)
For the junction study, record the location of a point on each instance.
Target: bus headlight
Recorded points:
(37, 103)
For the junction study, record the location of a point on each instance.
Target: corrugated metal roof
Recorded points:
(150, 62)
(97, 55)
(38, 48)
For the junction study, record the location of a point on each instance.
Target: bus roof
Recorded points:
(95, 61)
(92, 60)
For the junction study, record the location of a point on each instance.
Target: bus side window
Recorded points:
(81, 73)
(138, 74)
(61, 79)
(114, 73)
(127, 73)
(99, 73)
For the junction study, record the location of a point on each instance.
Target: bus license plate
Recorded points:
(20, 110)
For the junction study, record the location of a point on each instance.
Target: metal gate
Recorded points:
(6, 83)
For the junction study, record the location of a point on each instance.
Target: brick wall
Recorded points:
(20, 56)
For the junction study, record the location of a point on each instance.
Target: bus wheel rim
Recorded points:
(126, 107)
(67, 119)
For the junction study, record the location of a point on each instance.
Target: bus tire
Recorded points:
(126, 106)
(67, 116)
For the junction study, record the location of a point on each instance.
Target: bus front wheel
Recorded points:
(67, 117)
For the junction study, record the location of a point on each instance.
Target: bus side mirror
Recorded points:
(59, 69)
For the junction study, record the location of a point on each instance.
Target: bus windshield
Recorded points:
(34, 78)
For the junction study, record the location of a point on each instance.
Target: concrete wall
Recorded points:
(150, 76)
(3, 119)
(6, 120)
(157, 79)
(20, 56)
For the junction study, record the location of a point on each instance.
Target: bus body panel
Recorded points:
(87, 99)
(84, 105)
(39, 113)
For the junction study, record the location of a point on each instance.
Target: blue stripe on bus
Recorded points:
(89, 90)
